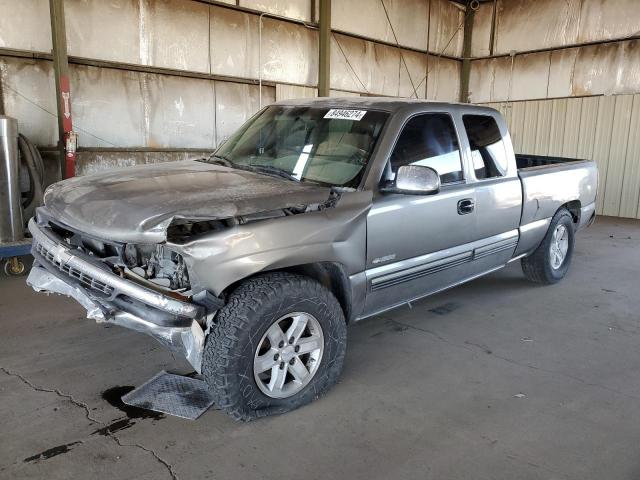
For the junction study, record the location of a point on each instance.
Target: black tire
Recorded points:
(537, 267)
(251, 309)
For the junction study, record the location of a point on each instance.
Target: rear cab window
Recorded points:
(488, 153)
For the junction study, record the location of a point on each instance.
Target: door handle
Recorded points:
(466, 205)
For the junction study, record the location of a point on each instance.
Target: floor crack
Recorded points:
(87, 412)
(66, 396)
(166, 464)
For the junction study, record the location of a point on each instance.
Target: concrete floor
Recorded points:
(498, 379)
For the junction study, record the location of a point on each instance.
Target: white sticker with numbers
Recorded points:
(345, 114)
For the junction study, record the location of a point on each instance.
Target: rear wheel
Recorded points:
(277, 344)
(550, 262)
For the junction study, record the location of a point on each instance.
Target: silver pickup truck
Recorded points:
(315, 214)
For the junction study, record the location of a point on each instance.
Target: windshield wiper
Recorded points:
(269, 169)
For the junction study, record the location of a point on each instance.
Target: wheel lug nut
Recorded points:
(291, 340)
(297, 349)
(292, 361)
(281, 365)
(276, 356)
(281, 344)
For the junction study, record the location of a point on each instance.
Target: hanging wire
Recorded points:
(442, 52)
(415, 87)
(349, 63)
(415, 92)
(56, 116)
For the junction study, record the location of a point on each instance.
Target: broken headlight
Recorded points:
(157, 264)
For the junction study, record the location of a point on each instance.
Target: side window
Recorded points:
(429, 140)
(487, 147)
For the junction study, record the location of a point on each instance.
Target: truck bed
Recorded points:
(550, 182)
(524, 161)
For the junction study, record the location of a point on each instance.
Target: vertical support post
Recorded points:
(324, 60)
(1, 97)
(465, 71)
(66, 136)
(494, 19)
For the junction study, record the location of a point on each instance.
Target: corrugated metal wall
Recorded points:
(605, 129)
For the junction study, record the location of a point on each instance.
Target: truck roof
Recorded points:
(388, 104)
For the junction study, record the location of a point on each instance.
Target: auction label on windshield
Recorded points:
(345, 114)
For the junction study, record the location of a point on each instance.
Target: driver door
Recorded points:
(418, 244)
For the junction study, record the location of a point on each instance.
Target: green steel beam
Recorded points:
(324, 60)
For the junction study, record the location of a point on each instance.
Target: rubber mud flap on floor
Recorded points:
(175, 395)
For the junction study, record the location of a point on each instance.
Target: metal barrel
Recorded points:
(11, 226)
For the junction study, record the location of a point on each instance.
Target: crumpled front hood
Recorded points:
(137, 204)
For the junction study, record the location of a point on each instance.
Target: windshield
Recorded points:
(329, 146)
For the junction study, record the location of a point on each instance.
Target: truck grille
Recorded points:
(81, 277)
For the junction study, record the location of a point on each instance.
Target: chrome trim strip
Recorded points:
(64, 256)
(405, 302)
(388, 276)
(420, 271)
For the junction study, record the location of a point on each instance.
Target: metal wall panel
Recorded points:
(490, 80)
(234, 43)
(529, 78)
(289, 51)
(543, 130)
(119, 108)
(606, 69)
(630, 195)
(605, 129)
(523, 25)
(529, 126)
(412, 75)
(342, 93)
(285, 92)
(558, 124)
(605, 20)
(29, 96)
(367, 18)
(104, 30)
(443, 79)
(300, 9)
(364, 66)
(235, 104)
(187, 35)
(174, 34)
(588, 121)
(110, 107)
(180, 112)
(446, 28)
(602, 145)
(617, 155)
(25, 25)
(482, 23)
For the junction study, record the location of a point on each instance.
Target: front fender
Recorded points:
(337, 234)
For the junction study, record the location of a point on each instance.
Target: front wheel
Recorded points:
(550, 262)
(277, 344)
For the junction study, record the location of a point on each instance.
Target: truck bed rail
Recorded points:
(524, 160)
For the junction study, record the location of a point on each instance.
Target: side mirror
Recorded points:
(414, 180)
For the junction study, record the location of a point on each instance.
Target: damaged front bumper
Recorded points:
(109, 298)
